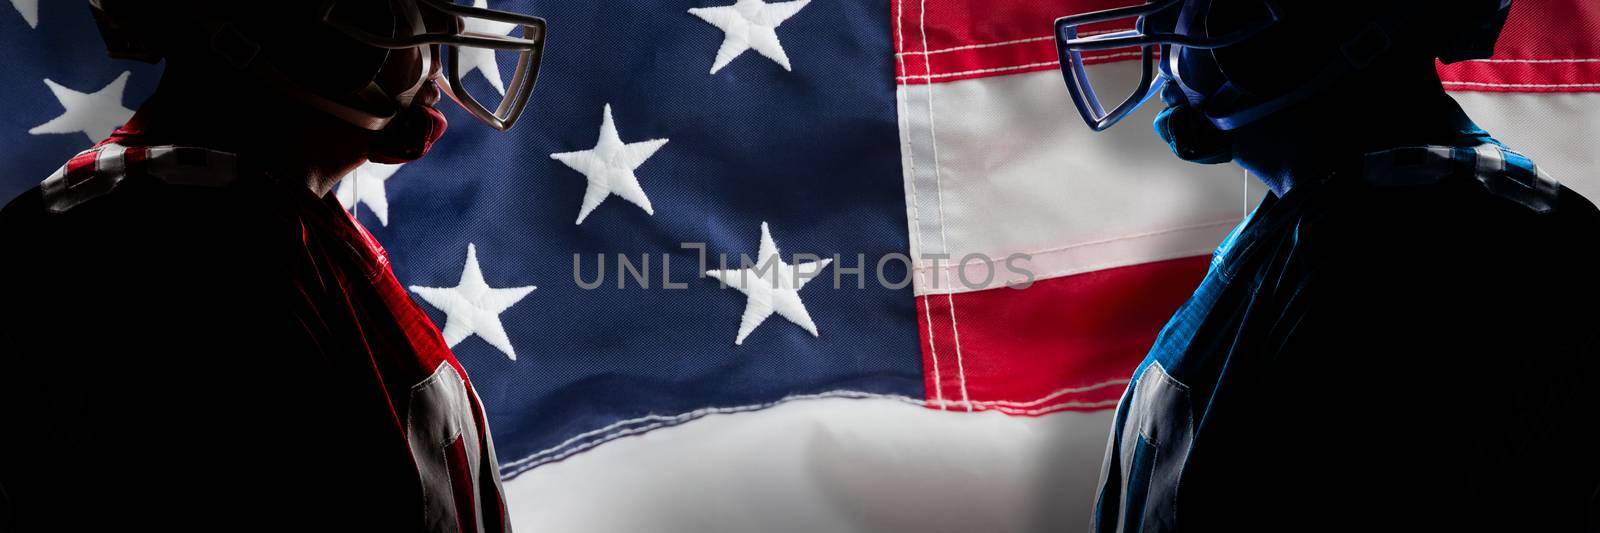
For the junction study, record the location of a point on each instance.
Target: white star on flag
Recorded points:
(482, 59)
(93, 114)
(29, 9)
(609, 167)
(771, 286)
(473, 307)
(750, 24)
(365, 184)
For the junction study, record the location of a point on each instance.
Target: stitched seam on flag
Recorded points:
(987, 406)
(961, 367)
(1056, 394)
(933, 353)
(1006, 43)
(978, 46)
(953, 270)
(922, 26)
(925, 77)
(928, 75)
(1524, 85)
(698, 413)
(938, 190)
(1136, 236)
(823, 395)
(578, 443)
(659, 425)
(667, 421)
(915, 230)
(980, 71)
(1085, 269)
(1567, 60)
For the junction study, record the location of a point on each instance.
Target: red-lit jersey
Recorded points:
(202, 346)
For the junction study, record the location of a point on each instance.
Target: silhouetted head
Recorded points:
(1289, 70)
(360, 67)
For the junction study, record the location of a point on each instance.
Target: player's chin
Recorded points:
(438, 120)
(410, 136)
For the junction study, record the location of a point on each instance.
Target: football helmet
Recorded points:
(1189, 42)
(354, 59)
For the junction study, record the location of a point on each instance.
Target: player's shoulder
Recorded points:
(1450, 233)
(109, 170)
(1477, 211)
(1472, 188)
(112, 186)
(160, 210)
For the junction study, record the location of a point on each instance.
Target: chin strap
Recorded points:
(1192, 137)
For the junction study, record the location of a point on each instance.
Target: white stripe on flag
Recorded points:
(827, 465)
(1014, 169)
(1556, 130)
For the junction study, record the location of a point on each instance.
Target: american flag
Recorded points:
(838, 136)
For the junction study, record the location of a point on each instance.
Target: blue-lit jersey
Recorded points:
(1408, 344)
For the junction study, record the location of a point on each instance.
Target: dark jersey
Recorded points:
(1410, 346)
(194, 345)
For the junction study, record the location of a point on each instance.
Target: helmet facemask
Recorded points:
(1162, 31)
(455, 36)
(1220, 59)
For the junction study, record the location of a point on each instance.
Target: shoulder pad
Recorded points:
(99, 170)
(1501, 172)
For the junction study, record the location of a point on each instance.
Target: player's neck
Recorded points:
(1328, 134)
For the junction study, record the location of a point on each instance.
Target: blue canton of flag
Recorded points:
(659, 131)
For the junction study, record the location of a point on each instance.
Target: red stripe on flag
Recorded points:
(966, 39)
(1548, 45)
(1066, 343)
